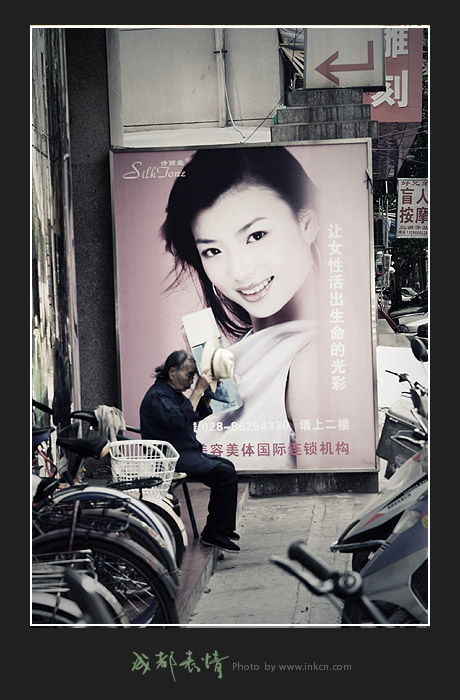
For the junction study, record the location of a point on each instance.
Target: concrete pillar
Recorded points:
(86, 59)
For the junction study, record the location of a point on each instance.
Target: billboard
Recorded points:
(270, 248)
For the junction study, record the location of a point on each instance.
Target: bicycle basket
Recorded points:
(140, 459)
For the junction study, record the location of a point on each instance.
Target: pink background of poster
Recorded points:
(149, 319)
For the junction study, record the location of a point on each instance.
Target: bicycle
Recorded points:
(164, 504)
(153, 525)
(132, 573)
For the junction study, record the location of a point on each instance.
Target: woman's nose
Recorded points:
(242, 265)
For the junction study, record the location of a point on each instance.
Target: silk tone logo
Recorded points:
(166, 169)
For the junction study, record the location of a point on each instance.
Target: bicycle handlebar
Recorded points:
(299, 552)
(42, 407)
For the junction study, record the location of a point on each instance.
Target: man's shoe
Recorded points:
(232, 535)
(220, 541)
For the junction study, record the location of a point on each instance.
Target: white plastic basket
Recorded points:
(142, 459)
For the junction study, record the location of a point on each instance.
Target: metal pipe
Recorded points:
(219, 40)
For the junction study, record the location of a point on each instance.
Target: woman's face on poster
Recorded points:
(254, 249)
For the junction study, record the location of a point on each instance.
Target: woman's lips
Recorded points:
(255, 292)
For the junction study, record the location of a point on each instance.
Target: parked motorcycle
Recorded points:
(321, 580)
(389, 539)
(391, 590)
(395, 579)
(405, 428)
(407, 482)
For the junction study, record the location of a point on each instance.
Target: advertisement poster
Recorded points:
(412, 216)
(273, 246)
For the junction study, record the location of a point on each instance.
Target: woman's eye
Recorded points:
(210, 252)
(256, 236)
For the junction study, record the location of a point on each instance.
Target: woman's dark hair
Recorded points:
(208, 175)
(175, 359)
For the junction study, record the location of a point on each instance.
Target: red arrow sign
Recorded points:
(327, 69)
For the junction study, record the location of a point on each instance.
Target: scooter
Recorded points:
(400, 437)
(391, 590)
(321, 580)
(377, 520)
(395, 579)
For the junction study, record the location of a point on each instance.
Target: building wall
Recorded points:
(155, 76)
(253, 66)
(170, 77)
(55, 357)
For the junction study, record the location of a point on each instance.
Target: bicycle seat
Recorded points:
(93, 446)
(40, 434)
(88, 416)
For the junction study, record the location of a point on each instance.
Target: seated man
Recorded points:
(167, 414)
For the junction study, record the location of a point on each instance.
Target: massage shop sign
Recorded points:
(302, 392)
(412, 215)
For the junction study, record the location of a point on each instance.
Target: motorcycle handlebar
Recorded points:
(299, 552)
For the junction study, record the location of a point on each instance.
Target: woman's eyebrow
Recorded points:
(251, 223)
(205, 240)
(243, 229)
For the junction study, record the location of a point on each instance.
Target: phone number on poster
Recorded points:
(245, 425)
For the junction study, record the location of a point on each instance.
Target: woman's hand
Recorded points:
(203, 381)
(201, 384)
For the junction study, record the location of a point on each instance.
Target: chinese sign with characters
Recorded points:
(336, 317)
(401, 101)
(412, 216)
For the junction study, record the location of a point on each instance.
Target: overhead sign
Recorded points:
(412, 220)
(344, 58)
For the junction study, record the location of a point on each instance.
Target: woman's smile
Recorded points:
(255, 292)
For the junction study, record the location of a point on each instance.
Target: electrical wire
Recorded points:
(222, 65)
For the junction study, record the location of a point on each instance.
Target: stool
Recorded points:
(180, 479)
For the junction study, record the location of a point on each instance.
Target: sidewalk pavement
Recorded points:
(246, 589)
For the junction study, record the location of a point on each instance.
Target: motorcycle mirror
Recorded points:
(419, 349)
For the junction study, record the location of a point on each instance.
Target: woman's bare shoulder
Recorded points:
(302, 388)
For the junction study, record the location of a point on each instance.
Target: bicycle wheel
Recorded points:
(111, 520)
(173, 524)
(49, 609)
(146, 537)
(140, 583)
(98, 605)
(101, 496)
